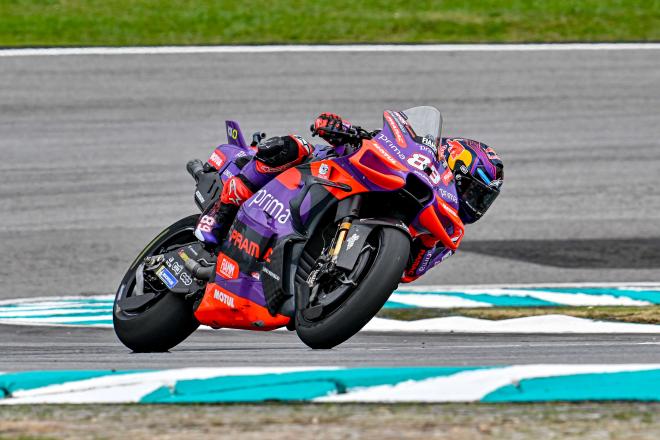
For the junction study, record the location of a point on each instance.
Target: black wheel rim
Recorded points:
(362, 268)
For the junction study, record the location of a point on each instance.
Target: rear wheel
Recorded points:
(376, 275)
(167, 319)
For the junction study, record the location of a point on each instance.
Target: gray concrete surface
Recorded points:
(30, 348)
(93, 151)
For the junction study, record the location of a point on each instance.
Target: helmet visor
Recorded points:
(476, 195)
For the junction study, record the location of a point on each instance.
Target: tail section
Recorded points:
(234, 135)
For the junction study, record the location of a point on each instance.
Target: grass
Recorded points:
(327, 421)
(162, 22)
(644, 315)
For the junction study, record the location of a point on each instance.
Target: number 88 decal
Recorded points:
(422, 162)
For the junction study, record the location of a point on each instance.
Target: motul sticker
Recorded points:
(227, 268)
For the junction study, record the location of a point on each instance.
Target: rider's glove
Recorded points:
(333, 122)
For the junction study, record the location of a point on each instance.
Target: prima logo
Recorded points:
(447, 195)
(388, 142)
(270, 205)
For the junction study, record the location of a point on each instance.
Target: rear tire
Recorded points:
(167, 322)
(366, 300)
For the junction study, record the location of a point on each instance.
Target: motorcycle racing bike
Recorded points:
(318, 250)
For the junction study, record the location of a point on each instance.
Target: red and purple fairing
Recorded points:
(285, 210)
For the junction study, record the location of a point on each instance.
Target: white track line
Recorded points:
(180, 50)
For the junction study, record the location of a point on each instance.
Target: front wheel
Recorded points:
(384, 261)
(166, 320)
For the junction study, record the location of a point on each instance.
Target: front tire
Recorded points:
(382, 277)
(168, 320)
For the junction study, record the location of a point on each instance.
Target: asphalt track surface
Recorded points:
(94, 147)
(30, 348)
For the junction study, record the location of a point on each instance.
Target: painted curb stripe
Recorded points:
(517, 383)
(97, 310)
(649, 295)
(301, 386)
(10, 383)
(638, 385)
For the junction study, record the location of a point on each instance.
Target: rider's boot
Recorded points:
(214, 224)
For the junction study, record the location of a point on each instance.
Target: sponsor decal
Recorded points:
(384, 153)
(186, 279)
(303, 143)
(396, 131)
(263, 168)
(232, 133)
(492, 155)
(472, 144)
(166, 277)
(412, 271)
(447, 176)
(422, 176)
(199, 196)
(271, 274)
(267, 255)
(224, 298)
(227, 174)
(447, 195)
(430, 142)
(271, 206)
(174, 265)
(323, 169)
(350, 242)
(244, 244)
(217, 159)
(232, 195)
(425, 261)
(458, 152)
(227, 268)
(445, 208)
(392, 146)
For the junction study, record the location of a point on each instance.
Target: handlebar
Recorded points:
(195, 168)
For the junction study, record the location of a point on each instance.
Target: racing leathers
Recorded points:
(272, 157)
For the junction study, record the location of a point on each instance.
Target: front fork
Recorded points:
(347, 210)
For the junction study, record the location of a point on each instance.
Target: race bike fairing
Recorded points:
(254, 283)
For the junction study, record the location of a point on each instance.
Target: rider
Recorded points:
(476, 168)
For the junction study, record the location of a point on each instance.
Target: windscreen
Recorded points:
(426, 122)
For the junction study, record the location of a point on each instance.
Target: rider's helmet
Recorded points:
(478, 172)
